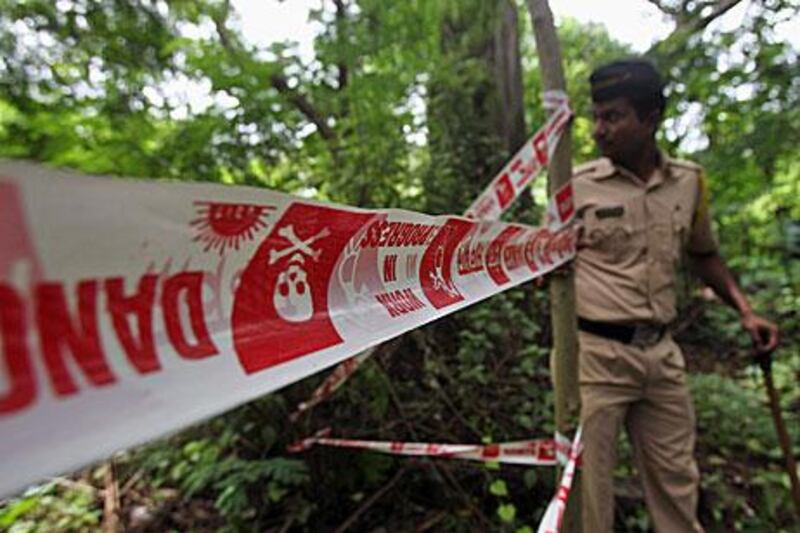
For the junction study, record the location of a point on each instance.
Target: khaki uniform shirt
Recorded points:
(632, 236)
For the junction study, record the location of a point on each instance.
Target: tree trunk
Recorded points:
(476, 115)
(564, 362)
(507, 64)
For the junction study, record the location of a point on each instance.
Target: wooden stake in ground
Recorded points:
(765, 363)
(562, 288)
(110, 500)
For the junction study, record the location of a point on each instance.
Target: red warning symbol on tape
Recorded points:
(280, 309)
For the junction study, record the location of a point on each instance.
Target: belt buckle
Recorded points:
(647, 335)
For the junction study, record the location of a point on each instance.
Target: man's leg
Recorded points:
(662, 430)
(601, 424)
(609, 382)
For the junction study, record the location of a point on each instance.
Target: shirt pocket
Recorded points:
(608, 231)
(668, 235)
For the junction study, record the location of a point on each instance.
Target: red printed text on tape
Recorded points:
(130, 309)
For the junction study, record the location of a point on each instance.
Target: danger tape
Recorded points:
(506, 187)
(131, 309)
(553, 517)
(525, 164)
(540, 452)
(332, 383)
(559, 212)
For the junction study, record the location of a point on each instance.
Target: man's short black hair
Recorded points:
(635, 79)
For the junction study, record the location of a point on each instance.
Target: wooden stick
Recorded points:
(111, 500)
(562, 288)
(765, 363)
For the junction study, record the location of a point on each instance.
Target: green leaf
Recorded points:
(491, 465)
(507, 512)
(498, 488)
(16, 509)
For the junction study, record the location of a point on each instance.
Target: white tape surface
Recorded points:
(131, 309)
(553, 517)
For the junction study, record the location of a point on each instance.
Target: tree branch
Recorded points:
(686, 25)
(302, 103)
(278, 81)
(341, 16)
(111, 507)
(369, 502)
(721, 7)
(665, 8)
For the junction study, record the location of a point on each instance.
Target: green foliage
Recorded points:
(507, 512)
(51, 507)
(398, 108)
(741, 456)
(734, 107)
(243, 487)
(498, 488)
(717, 414)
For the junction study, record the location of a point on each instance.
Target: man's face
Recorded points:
(618, 131)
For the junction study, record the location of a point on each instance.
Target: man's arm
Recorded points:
(712, 270)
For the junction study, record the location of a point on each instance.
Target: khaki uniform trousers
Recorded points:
(644, 389)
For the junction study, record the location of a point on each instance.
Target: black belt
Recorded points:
(642, 335)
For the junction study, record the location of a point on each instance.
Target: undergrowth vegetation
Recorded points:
(405, 98)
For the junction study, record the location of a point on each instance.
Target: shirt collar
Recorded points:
(661, 172)
(605, 168)
(602, 168)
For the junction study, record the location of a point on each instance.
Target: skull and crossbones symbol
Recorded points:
(291, 295)
(297, 246)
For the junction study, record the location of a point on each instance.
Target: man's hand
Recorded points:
(763, 332)
(712, 270)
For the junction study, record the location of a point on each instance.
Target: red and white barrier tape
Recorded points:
(332, 382)
(540, 452)
(493, 202)
(554, 515)
(130, 309)
(555, 221)
(526, 163)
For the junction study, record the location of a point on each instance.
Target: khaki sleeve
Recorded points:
(701, 237)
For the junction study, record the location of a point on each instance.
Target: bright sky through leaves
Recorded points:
(632, 21)
(635, 22)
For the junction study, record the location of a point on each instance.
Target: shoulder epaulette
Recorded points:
(688, 165)
(598, 168)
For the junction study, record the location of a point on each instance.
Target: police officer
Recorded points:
(640, 213)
